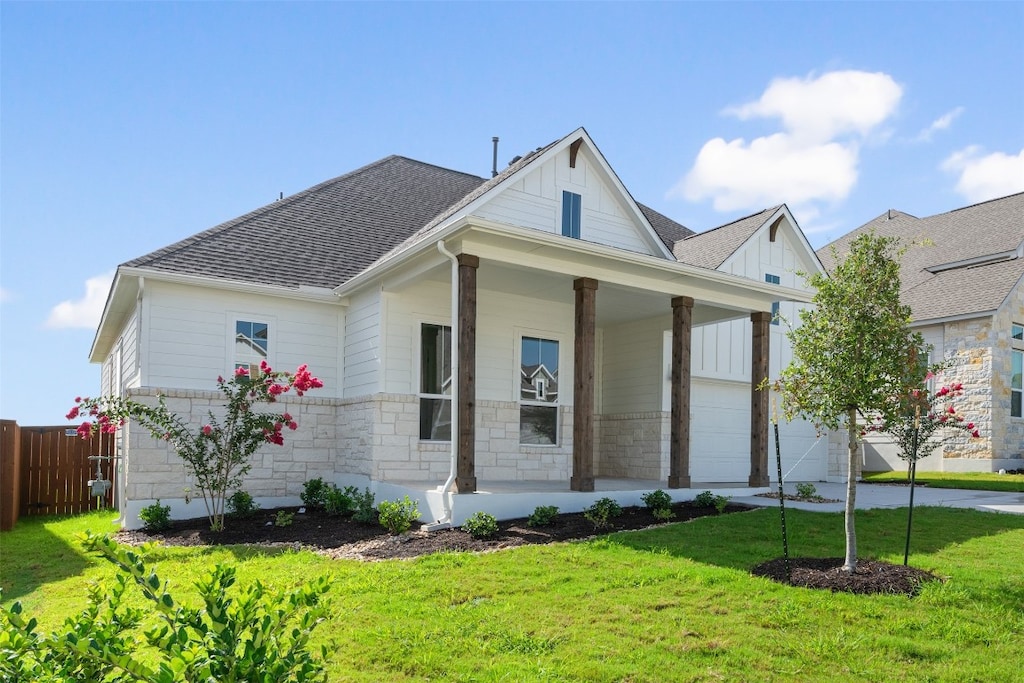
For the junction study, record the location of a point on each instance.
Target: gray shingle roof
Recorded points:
(331, 232)
(324, 235)
(711, 248)
(668, 230)
(972, 232)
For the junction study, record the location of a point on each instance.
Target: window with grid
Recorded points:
(252, 344)
(538, 391)
(435, 382)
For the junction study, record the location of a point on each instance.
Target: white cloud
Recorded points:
(986, 176)
(84, 312)
(820, 109)
(769, 170)
(825, 119)
(6, 295)
(941, 123)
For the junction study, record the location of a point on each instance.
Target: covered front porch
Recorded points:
(625, 325)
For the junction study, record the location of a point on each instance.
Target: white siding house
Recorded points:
(546, 298)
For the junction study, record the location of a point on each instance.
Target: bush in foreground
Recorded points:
(251, 635)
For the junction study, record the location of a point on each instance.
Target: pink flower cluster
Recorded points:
(304, 381)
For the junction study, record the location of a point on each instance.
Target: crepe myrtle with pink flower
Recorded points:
(934, 416)
(218, 453)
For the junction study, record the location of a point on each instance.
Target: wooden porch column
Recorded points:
(679, 447)
(465, 474)
(582, 478)
(759, 399)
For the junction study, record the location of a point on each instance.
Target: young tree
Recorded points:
(853, 352)
(217, 454)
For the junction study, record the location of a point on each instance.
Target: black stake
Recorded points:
(782, 498)
(913, 474)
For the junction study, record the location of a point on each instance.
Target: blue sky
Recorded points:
(127, 126)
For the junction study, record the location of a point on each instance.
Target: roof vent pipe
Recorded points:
(494, 161)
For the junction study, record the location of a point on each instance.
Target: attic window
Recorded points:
(571, 204)
(774, 280)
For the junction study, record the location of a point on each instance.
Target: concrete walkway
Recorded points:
(882, 496)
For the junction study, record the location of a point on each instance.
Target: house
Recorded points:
(962, 276)
(538, 337)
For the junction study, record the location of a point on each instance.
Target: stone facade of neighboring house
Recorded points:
(963, 277)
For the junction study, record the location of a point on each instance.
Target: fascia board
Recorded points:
(102, 340)
(301, 293)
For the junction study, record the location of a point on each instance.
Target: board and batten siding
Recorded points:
(188, 335)
(535, 201)
(722, 350)
(501, 320)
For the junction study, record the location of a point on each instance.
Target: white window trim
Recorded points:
(517, 382)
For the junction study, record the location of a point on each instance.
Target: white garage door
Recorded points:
(720, 438)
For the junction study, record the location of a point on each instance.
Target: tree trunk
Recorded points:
(850, 565)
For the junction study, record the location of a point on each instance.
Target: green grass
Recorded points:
(673, 603)
(984, 481)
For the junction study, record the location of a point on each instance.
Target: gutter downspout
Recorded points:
(446, 499)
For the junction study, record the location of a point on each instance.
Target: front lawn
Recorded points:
(675, 603)
(984, 481)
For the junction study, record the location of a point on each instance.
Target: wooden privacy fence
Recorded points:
(46, 470)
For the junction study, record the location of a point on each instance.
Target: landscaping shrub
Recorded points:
(657, 500)
(397, 516)
(706, 499)
(314, 493)
(241, 504)
(251, 634)
(805, 490)
(284, 518)
(663, 514)
(155, 517)
(340, 502)
(542, 515)
(365, 511)
(481, 525)
(602, 511)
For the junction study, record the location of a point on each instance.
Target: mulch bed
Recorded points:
(827, 573)
(341, 538)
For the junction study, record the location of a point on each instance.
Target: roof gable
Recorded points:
(753, 245)
(528, 194)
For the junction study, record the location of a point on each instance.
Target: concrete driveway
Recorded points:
(885, 496)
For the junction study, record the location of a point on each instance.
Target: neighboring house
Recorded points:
(573, 342)
(962, 277)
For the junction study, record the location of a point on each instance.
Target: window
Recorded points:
(773, 280)
(538, 391)
(571, 214)
(435, 383)
(251, 344)
(1017, 371)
